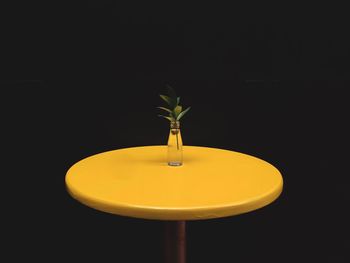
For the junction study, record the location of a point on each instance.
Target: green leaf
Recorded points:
(166, 117)
(171, 92)
(182, 113)
(171, 102)
(178, 100)
(163, 108)
(167, 99)
(177, 111)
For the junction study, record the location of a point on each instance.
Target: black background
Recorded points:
(267, 81)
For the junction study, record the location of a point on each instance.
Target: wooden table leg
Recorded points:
(175, 241)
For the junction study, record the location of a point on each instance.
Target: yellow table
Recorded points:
(137, 182)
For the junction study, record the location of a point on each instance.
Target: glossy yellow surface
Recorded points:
(137, 182)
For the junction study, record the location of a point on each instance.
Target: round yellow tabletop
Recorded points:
(137, 182)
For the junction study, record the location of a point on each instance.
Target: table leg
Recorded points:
(175, 241)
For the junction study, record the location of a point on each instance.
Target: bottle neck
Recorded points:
(175, 125)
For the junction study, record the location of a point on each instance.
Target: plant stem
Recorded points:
(177, 140)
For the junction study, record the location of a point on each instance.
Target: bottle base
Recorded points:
(174, 163)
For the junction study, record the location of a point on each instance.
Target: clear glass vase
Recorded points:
(175, 145)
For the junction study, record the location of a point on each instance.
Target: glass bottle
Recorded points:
(175, 145)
